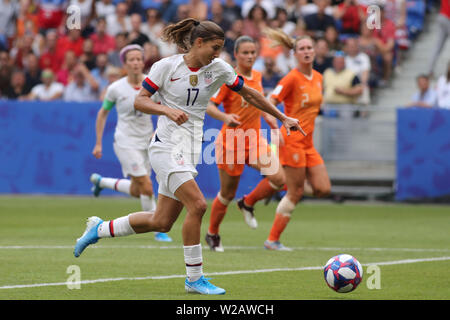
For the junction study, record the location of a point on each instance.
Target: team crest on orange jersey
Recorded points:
(193, 80)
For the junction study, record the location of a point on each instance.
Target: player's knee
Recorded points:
(277, 181)
(322, 191)
(227, 196)
(199, 207)
(295, 195)
(163, 225)
(146, 189)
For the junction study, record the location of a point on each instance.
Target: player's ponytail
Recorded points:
(184, 33)
(280, 38)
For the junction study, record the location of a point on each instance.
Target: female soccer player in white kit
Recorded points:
(185, 83)
(131, 137)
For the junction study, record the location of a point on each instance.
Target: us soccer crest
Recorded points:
(208, 77)
(193, 80)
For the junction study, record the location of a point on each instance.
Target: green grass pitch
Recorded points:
(409, 243)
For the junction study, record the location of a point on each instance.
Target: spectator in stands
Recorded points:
(317, 23)
(367, 45)
(332, 37)
(73, 41)
(51, 57)
(198, 9)
(48, 90)
(443, 34)
(17, 88)
(121, 40)
(168, 10)
(83, 87)
(22, 48)
(104, 8)
(385, 44)
(231, 11)
(359, 63)
(285, 61)
(443, 90)
(255, 22)
(292, 8)
(350, 14)
(6, 69)
(64, 75)
(426, 96)
(151, 55)
(153, 26)
(135, 36)
(88, 57)
(281, 16)
(182, 12)
(231, 35)
(134, 6)
(113, 74)
(103, 42)
(32, 71)
(50, 13)
(217, 15)
(268, 5)
(119, 21)
(99, 72)
(9, 9)
(270, 75)
(27, 20)
(87, 15)
(323, 59)
(341, 85)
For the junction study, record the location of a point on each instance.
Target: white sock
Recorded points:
(115, 228)
(194, 262)
(121, 185)
(148, 203)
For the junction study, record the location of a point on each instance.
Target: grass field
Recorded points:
(409, 243)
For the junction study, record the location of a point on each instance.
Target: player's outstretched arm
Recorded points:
(144, 104)
(230, 120)
(100, 122)
(255, 98)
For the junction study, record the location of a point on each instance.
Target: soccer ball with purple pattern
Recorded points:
(343, 273)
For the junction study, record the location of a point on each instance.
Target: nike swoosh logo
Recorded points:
(172, 79)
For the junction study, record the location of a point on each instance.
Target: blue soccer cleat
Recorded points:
(95, 179)
(89, 236)
(275, 245)
(202, 286)
(163, 237)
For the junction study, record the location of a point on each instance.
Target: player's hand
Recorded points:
(178, 116)
(292, 124)
(231, 120)
(97, 152)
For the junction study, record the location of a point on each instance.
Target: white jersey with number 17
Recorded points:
(189, 90)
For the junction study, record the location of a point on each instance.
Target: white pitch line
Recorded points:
(226, 247)
(223, 273)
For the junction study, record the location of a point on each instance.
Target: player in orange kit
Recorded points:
(301, 93)
(240, 142)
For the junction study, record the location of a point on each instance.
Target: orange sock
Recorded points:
(278, 226)
(261, 191)
(218, 211)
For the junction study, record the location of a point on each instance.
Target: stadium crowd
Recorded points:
(46, 55)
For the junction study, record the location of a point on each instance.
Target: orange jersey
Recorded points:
(249, 116)
(302, 97)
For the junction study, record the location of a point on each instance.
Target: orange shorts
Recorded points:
(232, 160)
(296, 156)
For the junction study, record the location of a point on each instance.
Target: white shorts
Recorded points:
(171, 171)
(134, 162)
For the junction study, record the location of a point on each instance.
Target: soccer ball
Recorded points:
(343, 273)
